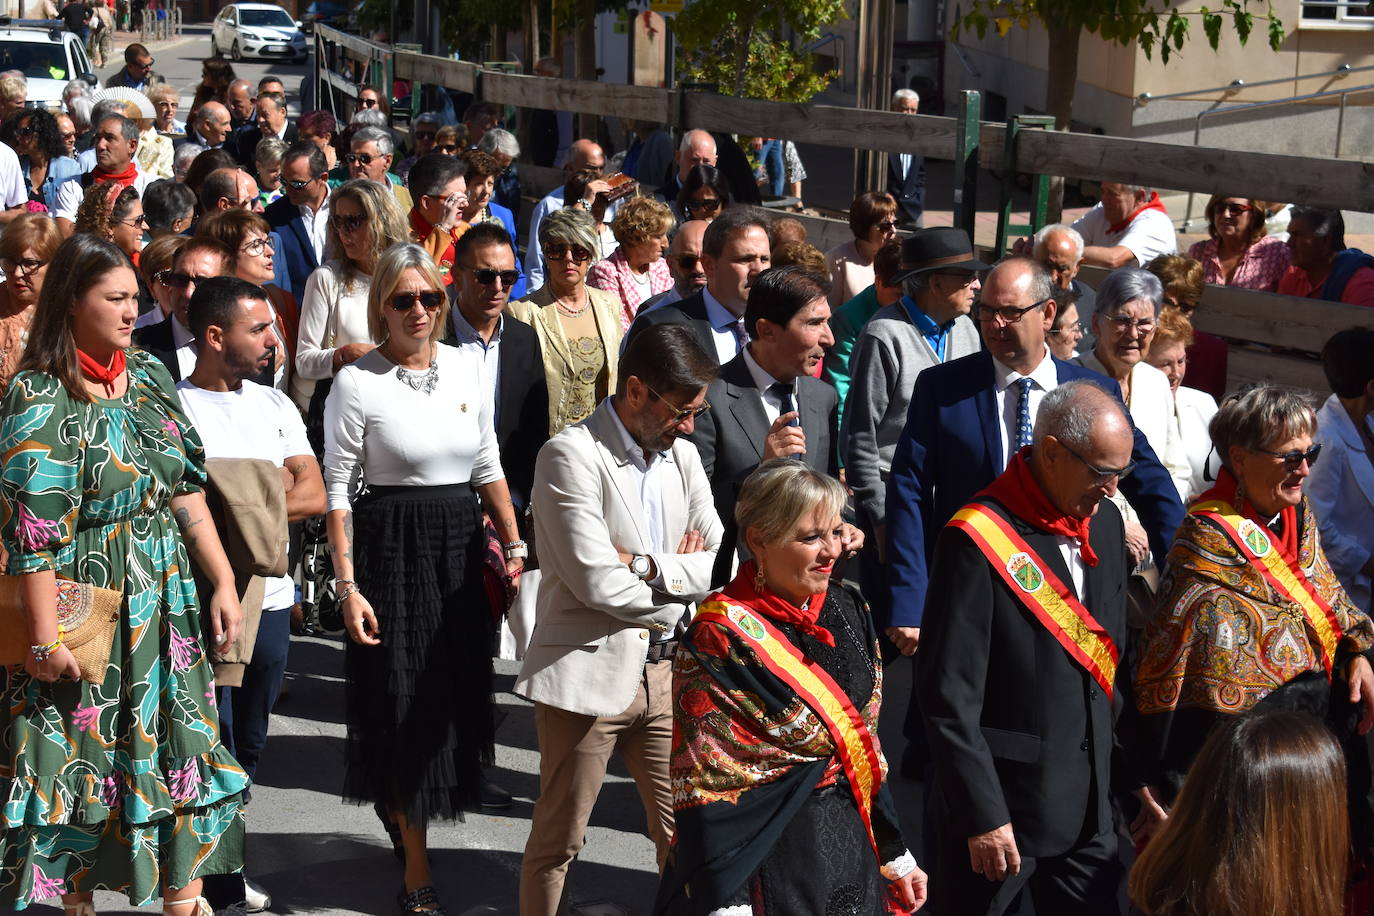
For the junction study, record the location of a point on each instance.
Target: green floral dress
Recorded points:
(122, 785)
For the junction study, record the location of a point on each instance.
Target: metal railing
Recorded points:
(1236, 85)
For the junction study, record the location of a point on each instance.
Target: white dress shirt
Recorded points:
(1073, 558)
(649, 485)
(772, 400)
(723, 323)
(1044, 378)
(317, 227)
(185, 343)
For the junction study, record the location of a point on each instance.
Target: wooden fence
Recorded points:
(1259, 323)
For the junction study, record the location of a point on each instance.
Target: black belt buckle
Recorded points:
(660, 651)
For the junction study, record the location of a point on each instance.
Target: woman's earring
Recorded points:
(758, 579)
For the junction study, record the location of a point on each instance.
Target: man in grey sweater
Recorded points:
(930, 324)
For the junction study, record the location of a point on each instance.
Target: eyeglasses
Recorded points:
(1102, 476)
(487, 277)
(1293, 460)
(1228, 209)
(1125, 324)
(258, 247)
(144, 64)
(886, 225)
(429, 301)
(682, 413)
(1069, 329)
(296, 184)
(138, 222)
(709, 205)
(557, 252)
(1184, 308)
(23, 267)
(1009, 314)
(67, 136)
(424, 135)
(175, 280)
(687, 261)
(449, 148)
(364, 158)
(348, 223)
(367, 103)
(24, 131)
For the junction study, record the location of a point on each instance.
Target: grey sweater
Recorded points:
(890, 353)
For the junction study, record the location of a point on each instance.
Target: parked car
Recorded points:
(47, 55)
(257, 30)
(326, 12)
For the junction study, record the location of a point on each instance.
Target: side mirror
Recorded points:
(299, 24)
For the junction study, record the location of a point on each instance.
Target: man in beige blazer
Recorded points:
(627, 534)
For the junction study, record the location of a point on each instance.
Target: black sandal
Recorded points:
(418, 899)
(393, 832)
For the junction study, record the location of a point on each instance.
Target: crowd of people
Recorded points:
(707, 478)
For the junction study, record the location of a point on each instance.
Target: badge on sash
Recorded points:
(746, 622)
(1025, 573)
(1255, 538)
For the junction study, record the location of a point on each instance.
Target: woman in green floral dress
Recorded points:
(121, 785)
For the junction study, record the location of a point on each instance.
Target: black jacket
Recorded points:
(690, 312)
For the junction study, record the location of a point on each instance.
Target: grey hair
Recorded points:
(184, 155)
(570, 226)
(906, 95)
(127, 128)
(368, 117)
(1261, 417)
(277, 100)
(915, 285)
(80, 110)
(1071, 411)
(1125, 285)
(500, 141)
(104, 108)
(81, 88)
(780, 494)
(686, 143)
(374, 135)
(270, 151)
(1043, 236)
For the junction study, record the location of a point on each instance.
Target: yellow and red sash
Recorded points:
(1041, 591)
(855, 746)
(1256, 546)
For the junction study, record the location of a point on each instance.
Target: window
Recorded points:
(268, 19)
(34, 60)
(1338, 12)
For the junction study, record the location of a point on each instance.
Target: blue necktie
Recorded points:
(1023, 417)
(786, 404)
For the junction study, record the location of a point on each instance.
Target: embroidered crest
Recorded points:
(746, 622)
(1255, 538)
(1026, 574)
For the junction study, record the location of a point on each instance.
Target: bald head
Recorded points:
(697, 148)
(684, 259)
(584, 154)
(213, 123)
(1081, 445)
(240, 97)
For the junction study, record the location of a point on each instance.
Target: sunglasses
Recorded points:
(364, 158)
(886, 224)
(24, 131)
(1184, 308)
(176, 280)
(681, 413)
(138, 222)
(710, 205)
(404, 302)
(1101, 476)
(67, 136)
(1233, 209)
(1293, 460)
(424, 135)
(577, 253)
(688, 261)
(348, 223)
(296, 184)
(449, 148)
(367, 103)
(488, 277)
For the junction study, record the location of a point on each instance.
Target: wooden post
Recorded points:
(874, 81)
(966, 136)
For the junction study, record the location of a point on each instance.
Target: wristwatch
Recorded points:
(640, 566)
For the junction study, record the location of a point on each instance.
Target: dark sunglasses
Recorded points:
(1101, 476)
(449, 148)
(367, 103)
(424, 135)
(25, 131)
(487, 277)
(886, 224)
(710, 205)
(348, 223)
(296, 184)
(177, 280)
(687, 261)
(65, 137)
(364, 158)
(1293, 460)
(404, 302)
(578, 254)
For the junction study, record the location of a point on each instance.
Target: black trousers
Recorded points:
(1085, 881)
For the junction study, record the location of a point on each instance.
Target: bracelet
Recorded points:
(338, 582)
(516, 550)
(41, 653)
(349, 591)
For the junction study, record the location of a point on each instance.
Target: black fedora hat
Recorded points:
(937, 248)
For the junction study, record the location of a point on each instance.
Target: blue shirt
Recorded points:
(937, 335)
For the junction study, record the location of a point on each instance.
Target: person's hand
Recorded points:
(906, 639)
(692, 542)
(1361, 680)
(288, 480)
(226, 616)
(1151, 817)
(57, 666)
(784, 441)
(599, 188)
(1137, 543)
(851, 539)
(909, 891)
(360, 621)
(994, 855)
(1022, 247)
(351, 352)
(453, 211)
(514, 567)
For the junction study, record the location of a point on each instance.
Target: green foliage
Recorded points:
(1154, 24)
(735, 45)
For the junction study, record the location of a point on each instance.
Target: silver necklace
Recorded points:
(425, 380)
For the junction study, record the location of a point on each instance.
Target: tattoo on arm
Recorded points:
(348, 537)
(186, 523)
(297, 467)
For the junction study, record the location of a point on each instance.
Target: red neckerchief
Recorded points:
(1287, 539)
(105, 375)
(741, 589)
(1018, 490)
(1154, 203)
(124, 178)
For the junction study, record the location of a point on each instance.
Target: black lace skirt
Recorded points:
(419, 706)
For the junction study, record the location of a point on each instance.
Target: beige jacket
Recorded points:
(538, 311)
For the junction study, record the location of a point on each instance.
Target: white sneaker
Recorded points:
(257, 898)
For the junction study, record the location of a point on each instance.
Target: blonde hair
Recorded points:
(394, 262)
(641, 219)
(158, 91)
(12, 88)
(780, 493)
(386, 224)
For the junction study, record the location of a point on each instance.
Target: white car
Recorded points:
(48, 55)
(257, 30)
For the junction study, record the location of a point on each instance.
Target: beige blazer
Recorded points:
(593, 616)
(538, 311)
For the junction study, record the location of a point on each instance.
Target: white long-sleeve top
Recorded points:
(381, 431)
(328, 295)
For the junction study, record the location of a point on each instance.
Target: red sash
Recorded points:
(1037, 587)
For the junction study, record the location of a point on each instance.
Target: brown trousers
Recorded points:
(573, 752)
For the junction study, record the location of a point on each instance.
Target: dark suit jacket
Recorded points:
(246, 139)
(909, 189)
(690, 312)
(157, 339)
(730, 437)
(295, 252)
(951, 448)
(230, 144)
(1018, 730)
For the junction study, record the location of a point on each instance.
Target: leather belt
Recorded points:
(662, 651)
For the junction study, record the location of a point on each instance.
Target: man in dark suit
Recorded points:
(171, 340)
(300, 216)
(906, 172)
(211, 128)
(734, 250)
(270, 121)
(1018, 707)
(766, 403)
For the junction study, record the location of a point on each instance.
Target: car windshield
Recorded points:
(269, 18)
(34, 59)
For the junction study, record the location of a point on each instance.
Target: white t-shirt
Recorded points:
(252, 422)
(70, 192)
(1149, 235)
(12, 190)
